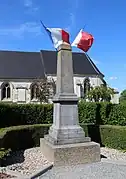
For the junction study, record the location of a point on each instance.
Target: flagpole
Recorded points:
(84, 26)
(46, 31)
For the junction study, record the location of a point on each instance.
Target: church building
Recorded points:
(19, 72)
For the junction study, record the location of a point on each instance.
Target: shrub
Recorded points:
(117, 115)
(113, 136)
(108, 135)
(23, 137)
(4, 153)
(15, 114)
(89, 112)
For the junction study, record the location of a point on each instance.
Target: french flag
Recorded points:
(83, 41)
(57, 35)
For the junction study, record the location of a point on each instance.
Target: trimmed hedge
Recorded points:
(108, 135)
(25, 114)
(23, 137)
(114, 136)
(102, 113)
(28, 114)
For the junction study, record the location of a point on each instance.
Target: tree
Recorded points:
(100, 93)
(123, 96)
(46, 89)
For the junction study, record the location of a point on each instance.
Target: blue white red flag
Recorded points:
(57, 35)
(83, 41)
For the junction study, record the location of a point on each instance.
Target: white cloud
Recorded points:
(72, 16)
(31, 7)
(71, 22)
(22, 29)
(96, 62)
(28, 3)
(113, 78)
(116, 88)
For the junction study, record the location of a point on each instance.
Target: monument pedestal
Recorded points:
(65, 128)
(66, 142)
(70, 154)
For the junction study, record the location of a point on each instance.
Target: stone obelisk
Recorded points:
(66, 142)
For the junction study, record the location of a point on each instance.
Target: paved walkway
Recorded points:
(100, 170)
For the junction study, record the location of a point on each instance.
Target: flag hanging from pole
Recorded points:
(57, 35)
(83, 41)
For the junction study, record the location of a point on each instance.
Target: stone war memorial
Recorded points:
(66, 143)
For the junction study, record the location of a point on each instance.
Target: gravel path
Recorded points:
(99, 170)
(27, 162)
(5, 176)
(113, 154)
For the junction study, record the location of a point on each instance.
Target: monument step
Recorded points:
(60, 141)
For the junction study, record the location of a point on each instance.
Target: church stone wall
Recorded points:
(79, 83)
(21, 91)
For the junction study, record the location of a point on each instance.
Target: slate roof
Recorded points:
(22, 65)
(33, 65)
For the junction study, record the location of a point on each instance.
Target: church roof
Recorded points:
(20, 65)
(33, 65)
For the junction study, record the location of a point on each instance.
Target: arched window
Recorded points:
(86, 86)
(34, 91)
(5, 91)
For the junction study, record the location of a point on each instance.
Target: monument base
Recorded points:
(66, 135)
(70, 154)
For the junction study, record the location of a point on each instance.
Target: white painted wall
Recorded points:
(115, 99)
(21, 93)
